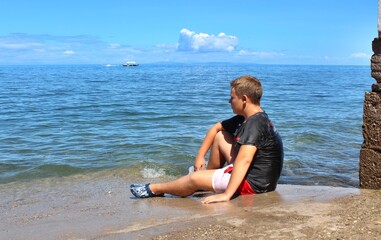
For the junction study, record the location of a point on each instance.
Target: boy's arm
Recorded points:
(241, 165)
(199, 162)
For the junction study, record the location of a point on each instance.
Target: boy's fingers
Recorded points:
(196, 168)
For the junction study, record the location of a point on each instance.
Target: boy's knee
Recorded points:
(192, 179)
(220, 136)
(196, 179)
(223, 137)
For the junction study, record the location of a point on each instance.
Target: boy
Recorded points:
(254, 156)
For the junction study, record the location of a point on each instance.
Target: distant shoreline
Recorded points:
(185, 64)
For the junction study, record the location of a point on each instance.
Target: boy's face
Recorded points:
(236, 102)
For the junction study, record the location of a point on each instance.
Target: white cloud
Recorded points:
(260, 54)
(114, 45)
(360, 55)
(44, 48)
(202, 42)
(69, 52)
(167, 46)
(9, 45)
(22, 48)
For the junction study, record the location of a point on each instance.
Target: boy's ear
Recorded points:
(245, 98)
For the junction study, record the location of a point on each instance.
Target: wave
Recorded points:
(43, 171)
(138, 170)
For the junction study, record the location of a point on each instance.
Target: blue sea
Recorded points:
(148, 121)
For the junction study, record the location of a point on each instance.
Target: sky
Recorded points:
(323, 32)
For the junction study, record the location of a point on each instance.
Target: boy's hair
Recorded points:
(249, 86)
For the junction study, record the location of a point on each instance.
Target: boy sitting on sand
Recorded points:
(254, 156)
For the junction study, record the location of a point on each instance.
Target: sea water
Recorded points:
(148, 121)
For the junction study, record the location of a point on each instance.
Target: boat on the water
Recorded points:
(130, 64)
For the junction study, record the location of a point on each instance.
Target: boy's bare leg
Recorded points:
(186, 185)
(221, 150)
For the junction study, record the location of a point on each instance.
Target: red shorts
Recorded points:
(221, 179)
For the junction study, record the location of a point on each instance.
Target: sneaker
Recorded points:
(142, 191)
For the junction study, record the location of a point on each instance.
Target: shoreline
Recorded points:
(104, 208)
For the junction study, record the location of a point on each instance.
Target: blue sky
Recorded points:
(149, 31)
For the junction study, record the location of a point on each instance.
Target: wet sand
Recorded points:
(103, 208)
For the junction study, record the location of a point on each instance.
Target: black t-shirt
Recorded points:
(265, 169)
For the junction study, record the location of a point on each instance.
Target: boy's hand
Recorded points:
(223, 197)
(199, 164)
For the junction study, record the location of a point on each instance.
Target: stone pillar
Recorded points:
(370, 153)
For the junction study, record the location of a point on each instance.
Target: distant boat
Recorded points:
(130, 64)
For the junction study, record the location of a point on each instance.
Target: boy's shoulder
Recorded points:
(260, 116)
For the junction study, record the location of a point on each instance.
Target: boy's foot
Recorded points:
(143, 191)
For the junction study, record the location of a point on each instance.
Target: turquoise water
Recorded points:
(150, 120)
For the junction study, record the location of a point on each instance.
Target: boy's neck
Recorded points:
(250, 111)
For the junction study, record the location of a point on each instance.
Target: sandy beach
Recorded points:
(103, 208)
